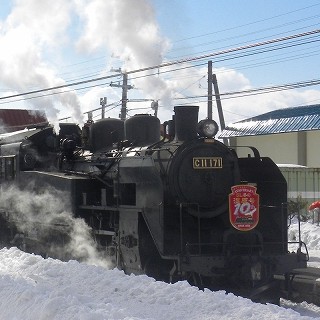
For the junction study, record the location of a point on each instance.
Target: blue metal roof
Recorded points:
(303, 118)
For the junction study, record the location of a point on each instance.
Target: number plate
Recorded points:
(207, 163)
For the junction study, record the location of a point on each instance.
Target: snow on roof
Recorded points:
(289, 165)
(303, 118)
(18, 119)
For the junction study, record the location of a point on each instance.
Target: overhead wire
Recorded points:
(170, 63)
(251, 40)
(90, 75)
(258, 91)
(295, 42)
(262, 90)
(249, 23)
(276, 58)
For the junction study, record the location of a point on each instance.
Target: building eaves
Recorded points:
(303, 118)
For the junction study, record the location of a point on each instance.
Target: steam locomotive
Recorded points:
(175, 206)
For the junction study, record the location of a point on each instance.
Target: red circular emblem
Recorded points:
(244, 207)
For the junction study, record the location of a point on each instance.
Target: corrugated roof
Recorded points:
(18, 119)
(303, 118)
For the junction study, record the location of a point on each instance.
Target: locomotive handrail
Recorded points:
(301, 243)
(8, 156)
(87, 174)
(255, 151)
(111, 208)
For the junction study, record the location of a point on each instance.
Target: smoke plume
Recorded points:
(47, 216)
(129, 30)
(31, 33)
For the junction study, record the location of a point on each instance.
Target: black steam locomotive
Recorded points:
(175, 206)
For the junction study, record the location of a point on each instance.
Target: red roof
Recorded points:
(18, 119)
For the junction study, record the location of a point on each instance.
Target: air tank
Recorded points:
(105, 132)
(142, 129)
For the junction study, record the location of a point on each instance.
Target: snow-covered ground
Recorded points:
(35, 288)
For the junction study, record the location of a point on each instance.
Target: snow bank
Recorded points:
(310, 234)
(35, 288)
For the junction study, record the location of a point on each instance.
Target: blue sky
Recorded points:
(227, 24)
(49, 44)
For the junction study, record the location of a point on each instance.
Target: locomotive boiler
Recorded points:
(180, 206)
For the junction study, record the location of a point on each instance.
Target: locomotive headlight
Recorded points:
(207, 128)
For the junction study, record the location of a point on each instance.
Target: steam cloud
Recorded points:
(31, 33)
(40, 38)
(43, 215)
(130, 33)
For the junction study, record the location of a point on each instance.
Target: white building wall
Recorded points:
(301, 148)
(281, 148)
(313, 149)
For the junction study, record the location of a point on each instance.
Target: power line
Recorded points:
(232, 54)
(248, 24)
(100, 58)
(251, 33)
(226, 51)
(170, 63)
(268, 61)
(263, 90)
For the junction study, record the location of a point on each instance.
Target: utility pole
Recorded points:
(125, 87)
(90, 116)
(210, 81)
(123, 113)
(103, 103)
(218, 101)
(219, 106)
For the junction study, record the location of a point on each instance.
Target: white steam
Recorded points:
(40, 40)
(129, 30)
(30, 34)
(44, 215)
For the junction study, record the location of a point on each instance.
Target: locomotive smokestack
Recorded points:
(186, 120)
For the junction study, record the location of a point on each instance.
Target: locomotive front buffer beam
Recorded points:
(301, 284)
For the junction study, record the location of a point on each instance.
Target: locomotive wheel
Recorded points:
(158, 268)
(269, 293)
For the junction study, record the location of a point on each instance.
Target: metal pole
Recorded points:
(125, 87)
(210, 89)
(299, 231)
(103, 103)
(219, 106)
(124, 97)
